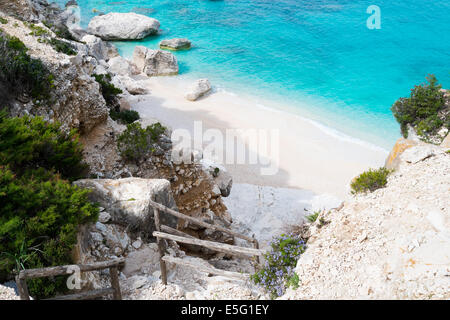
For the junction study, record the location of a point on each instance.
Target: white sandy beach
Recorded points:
(309, 157)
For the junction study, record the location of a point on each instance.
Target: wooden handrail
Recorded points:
(222, 247)
(68, 269)
(180, 215)
(112, 265)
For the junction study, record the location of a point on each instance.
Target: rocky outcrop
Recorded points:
(393, 160)
(121, 66)
(155, 62)
(390, 244)
(127, 201)
(76, 100)
(198, 89)
(175, 44)
(123, 26)
(99, 49)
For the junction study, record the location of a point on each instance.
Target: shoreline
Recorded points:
(308, 151)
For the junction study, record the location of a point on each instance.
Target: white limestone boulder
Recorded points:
(198, 89)
(99, 49)
(155, 62)
(175, 44)
(123, 26)
(127, 201)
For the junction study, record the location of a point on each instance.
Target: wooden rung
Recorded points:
(203, 268)
(176, 232)
(222, 247)
(64, 270)
(85, 295)
(198, 221)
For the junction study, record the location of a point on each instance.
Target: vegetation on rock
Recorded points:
(370, 180)
(109, 91)
(278, 272)
(62, 46)
(40, 211)
(28, 144)
(423, 110)
(22, 75)
(125, 116)
(136, 142)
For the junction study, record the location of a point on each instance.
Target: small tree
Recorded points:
(421, 109)
(135, 142)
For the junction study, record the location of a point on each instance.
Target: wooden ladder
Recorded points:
(182, 237)
(112, 265)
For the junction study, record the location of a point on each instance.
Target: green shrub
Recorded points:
(29, 143)
(370, 180)
(421, 109)
(3, 20)
(38, 225)
(21, 74)
(125, 116)
(109, 91)
(313, 217)
(278, 271)
(36, 31)
(60, 30)
(136, 142)
(62, 46)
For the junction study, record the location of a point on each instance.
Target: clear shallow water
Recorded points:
(315, 56)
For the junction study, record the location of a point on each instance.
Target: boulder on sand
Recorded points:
(123, 26)
(198, 89)
(175, 44)
(155, 62)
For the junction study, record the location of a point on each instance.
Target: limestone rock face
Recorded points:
(76, 100)
(155, 62)
(175, 44)
(127, 201)
(400, 146)
(99, 49)
(123, 26)
(198, 89)
(446, 142)
(393, 243)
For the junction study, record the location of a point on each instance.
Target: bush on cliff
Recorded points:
(39, 211)
(22, 75)
(370, 180)
(109, 91)
(125, 116)
(278, 272)
(136, 142)
(39, 217)
(29, 143)
(422, 109)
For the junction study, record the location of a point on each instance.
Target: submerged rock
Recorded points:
(155, 62)
(175, 44)
(123, 26)
(198, 89)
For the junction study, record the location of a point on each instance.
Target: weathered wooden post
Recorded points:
(256, 246)
(22, 288)
(114, 274)
(162, 263)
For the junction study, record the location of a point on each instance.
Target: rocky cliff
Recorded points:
(393, 243)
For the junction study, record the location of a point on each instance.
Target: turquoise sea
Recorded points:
(316, 56)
